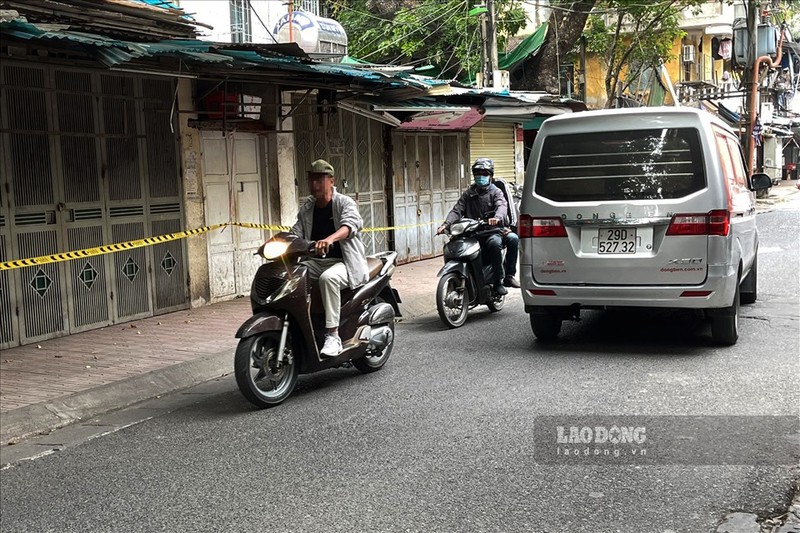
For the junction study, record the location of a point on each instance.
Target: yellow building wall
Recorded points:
(704, 69)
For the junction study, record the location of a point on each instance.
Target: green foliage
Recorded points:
(633, 36)
(423, 32)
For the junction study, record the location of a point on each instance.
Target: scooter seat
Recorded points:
(374, 265)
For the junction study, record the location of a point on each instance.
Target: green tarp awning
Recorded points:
(530, 45)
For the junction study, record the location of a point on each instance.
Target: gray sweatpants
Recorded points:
(332, 276)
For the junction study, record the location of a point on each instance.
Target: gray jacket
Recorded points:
(345, 213)
(479, 203)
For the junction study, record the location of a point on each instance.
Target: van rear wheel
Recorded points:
(725, 323)
(546, 325)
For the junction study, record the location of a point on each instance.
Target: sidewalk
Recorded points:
(61, 381)
(783, 193)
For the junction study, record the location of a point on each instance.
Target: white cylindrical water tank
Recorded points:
(315, 35)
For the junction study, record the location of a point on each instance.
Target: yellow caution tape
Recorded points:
(149, 241)
(389, 228)
(252, 225)
(106, 249)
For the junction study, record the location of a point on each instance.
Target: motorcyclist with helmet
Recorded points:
(484, 201)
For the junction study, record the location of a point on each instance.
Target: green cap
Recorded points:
(320, 166)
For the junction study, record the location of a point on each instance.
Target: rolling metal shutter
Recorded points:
(494, 140)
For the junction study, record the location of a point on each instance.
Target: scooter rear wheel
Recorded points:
(375, 361)
(451, 299)
(496, 303)
(260, 379)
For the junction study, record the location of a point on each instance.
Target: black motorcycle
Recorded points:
(464, 279)
(284, 336)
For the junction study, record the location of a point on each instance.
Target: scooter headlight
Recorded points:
(286, 288)
(274, 249)
(458, 228)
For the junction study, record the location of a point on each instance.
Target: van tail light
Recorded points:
(717, 222)
(540, 227)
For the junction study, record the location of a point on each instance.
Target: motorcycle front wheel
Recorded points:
(261, 379)
(451, 299)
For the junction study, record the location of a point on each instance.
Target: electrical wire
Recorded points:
(455, 46)
(423, 40)
(450, 12)
(261, 21)
(358, 12)
(382, 35)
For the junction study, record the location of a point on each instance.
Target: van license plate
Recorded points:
(616, 241)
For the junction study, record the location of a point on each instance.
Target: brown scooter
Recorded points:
(284, 336)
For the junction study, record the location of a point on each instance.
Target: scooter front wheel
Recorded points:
(451, 299)
(261, 378)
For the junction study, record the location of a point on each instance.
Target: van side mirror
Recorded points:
(760, 182)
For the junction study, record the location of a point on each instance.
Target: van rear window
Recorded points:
(621, 165)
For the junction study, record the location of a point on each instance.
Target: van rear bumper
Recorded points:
(721, 282)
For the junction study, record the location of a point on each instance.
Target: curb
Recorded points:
(48, 416)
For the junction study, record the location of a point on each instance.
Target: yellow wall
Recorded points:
(712, 71)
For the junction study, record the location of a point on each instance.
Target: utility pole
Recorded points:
(489, 60)
(491, 35)
(750, 80)
(485, 70)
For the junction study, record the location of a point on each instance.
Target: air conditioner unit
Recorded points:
(688, 53)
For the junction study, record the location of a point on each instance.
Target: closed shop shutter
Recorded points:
(494, 140)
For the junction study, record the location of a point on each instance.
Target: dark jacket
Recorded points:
(479, 203)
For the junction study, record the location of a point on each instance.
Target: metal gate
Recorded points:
(497, 141)
(232, 170)
(429, 175)
(355, 146)
(88, 158)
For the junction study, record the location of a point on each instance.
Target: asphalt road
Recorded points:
(442, 438)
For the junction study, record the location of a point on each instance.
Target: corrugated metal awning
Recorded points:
(284, 61)
(434, 120)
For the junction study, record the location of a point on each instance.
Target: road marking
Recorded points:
(769, 249)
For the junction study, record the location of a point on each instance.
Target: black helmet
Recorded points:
(483, 163)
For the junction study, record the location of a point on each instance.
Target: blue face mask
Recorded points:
(481, 181)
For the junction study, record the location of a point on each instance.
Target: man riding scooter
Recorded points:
(484, 201)
(333, 221)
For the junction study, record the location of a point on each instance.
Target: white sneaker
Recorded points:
(332, 346)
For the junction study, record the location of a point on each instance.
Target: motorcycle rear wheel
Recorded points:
(258, 375)
(375, 361)
(451, 300)
(496, 303)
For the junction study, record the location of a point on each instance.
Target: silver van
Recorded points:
(646, 207)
